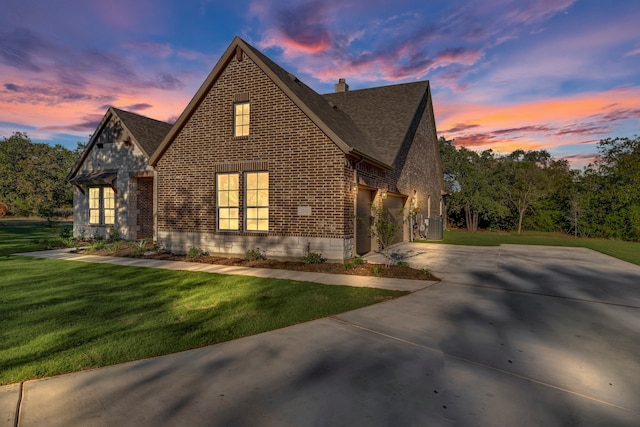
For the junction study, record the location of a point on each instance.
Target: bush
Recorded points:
(359, 261)
(194, 252)
(254, 255)
(402, 264)
(65, 231)
(313, 258)
(114, 235)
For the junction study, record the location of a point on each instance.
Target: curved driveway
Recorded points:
(513, 335)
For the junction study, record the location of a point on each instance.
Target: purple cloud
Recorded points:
(19, 48)
(89, 123)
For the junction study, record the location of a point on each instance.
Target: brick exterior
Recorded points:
(306, 169)
(312, 202)
(144, 209)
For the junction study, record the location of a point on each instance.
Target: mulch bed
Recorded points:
(374, 270)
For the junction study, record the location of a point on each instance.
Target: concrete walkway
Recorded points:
(511, 336)
(324, 278)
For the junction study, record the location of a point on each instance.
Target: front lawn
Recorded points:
(64, 316)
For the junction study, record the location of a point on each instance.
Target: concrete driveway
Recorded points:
(513, 335)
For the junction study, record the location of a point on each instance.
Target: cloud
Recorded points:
(20, 47)
(138, 107)
(459, 127)
(48, 94)
(89, 123)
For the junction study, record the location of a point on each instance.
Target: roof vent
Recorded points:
(342, 86)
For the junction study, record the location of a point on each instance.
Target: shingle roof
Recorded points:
(371, 123)
(148, 132)
(384, 114)
(336, 119)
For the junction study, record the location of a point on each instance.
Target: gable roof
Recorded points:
(145, 132)
(370, 123)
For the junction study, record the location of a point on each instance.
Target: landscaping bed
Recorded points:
(358, 266)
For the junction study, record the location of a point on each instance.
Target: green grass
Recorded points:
(64, 316)
(626, 251)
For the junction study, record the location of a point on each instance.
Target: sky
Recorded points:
(558, 75)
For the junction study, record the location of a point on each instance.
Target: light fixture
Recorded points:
(353, 186)
(384, 194)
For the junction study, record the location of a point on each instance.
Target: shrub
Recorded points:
(114, 235)
(97, 236)
(402, 264)
(313, 258)
(359, 261)
(425, 271)
(194, 252)
(65, 231)
(97, 245)
(375, 270)
(254, 255)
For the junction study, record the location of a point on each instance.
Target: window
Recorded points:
(241, 115)
(102, 205)
(257, 201)
(228, 201)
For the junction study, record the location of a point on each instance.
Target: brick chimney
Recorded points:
(342, 86)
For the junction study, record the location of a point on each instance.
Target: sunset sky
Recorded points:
(534, 74)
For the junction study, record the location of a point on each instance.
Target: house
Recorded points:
(112, 178)
(259, 160)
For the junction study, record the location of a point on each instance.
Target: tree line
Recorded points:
(534, 191)
(32, 177)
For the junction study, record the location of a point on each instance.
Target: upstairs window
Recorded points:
(241, 118)
(102, 206)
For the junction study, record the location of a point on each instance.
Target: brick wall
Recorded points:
(305, 168)
(144, 208)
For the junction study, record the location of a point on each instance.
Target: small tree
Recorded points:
(385, 227)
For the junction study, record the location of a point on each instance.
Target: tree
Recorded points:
(32, 176)
(472, 184)
(526, 181)
(384, 227)
(610, 191)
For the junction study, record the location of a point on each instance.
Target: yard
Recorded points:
(60, 316)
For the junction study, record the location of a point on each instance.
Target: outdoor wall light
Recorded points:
(384, 194)
(353, 186)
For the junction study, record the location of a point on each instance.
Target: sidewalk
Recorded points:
(324, 278)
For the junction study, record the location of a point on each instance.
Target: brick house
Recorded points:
(112, 178)
(258, 160)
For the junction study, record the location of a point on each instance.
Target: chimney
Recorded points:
(342, 86)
